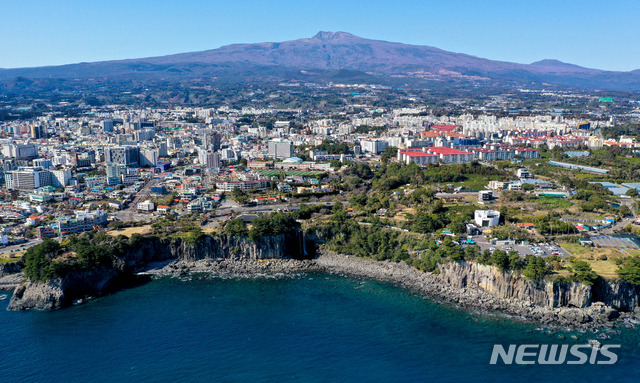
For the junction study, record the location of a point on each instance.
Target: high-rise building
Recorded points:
(27, 178)
(162, 149)
(115, 171)
(60, 178)
(211, 141)
(144, 135)
(373, 146)
(38, 132)
(280, 149)
(148, 157)
(20, 150)
(209, 159)
(43, 163)
(107, 126)
(123, 155)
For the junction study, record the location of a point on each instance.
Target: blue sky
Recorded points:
(597, 34)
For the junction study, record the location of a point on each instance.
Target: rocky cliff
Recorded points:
(60, 292)
(481, 287)
(513, 286)
(621, 295)
(615, 294)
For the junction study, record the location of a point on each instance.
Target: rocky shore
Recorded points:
(231, 268)
(10, 281)
(471, 286)
(472, 297)
(10, 275)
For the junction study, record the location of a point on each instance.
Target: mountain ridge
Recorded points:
(330, 51)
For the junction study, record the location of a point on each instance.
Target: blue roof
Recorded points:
(579, 167)
(632, 185)
(614, 188)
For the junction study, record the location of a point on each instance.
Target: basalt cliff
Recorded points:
(468, 284)
(80, 284)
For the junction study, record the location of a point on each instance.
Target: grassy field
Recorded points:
(553, 203)
(10, 257)
(595, 256)
(130, 230)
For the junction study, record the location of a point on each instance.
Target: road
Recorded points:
(4, 251)
(142, 195)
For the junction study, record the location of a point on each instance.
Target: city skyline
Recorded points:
(45, 33)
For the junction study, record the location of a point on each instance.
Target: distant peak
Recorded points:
(550, 62)
(326, 36)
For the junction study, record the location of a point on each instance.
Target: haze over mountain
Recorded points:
(339, 55)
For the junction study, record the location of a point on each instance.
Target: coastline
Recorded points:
(429, 285)
(229, 268)
(475, 298)
(11, 281)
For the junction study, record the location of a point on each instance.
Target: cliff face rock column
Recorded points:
(513, 286)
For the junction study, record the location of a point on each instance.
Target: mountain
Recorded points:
(341, 54)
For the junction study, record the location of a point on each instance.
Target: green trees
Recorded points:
(358, 200)
(333, 147)
(500, 259)
(422, 195)
(236, 228)
(274, 224)
(630, 271)
(240, 196)
(583, 272)
(360, 170)
(458, 227)
(389, 151)
(625, 211)
(426, 223)
(88, 251)
(536, 268)
(38, 260)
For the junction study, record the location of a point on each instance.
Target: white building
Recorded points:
(27, 178)
(280, 149)
(20, 151)
(487, 218)
(146, 206)
(523, 173)
(60, 178)
(149, 157)
(373, 146)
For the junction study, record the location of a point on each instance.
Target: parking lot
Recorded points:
(546, 249)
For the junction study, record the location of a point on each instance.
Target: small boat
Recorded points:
(3, 297)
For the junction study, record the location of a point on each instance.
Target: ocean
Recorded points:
(308, 328)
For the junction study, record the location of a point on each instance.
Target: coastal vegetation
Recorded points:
(89, 251)
(422, 251)
(96, 249)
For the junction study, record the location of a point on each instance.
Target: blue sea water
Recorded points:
(310, 328)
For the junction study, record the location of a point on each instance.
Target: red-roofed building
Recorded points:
(444, 128)
(420, 158)
(451, 156)
(430, 136)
